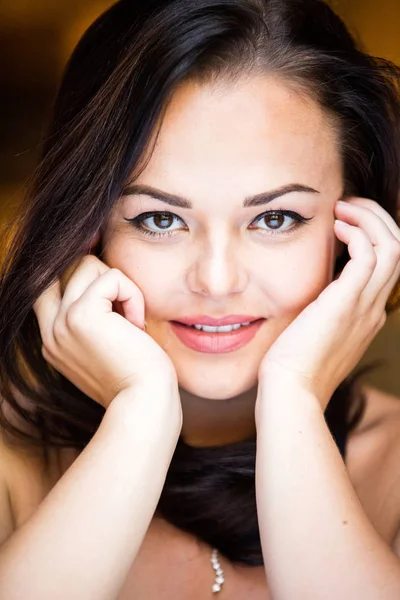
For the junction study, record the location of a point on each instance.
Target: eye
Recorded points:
(161, 219)
(276, 220)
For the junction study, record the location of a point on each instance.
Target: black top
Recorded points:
(341, 438)
(336, 417)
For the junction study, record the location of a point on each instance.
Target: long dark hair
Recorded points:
(111, 101)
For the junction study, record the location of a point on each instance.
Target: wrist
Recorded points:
(283, 395)
(274, 378)
(148, 409)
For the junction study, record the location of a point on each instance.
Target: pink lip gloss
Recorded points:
(215, 343)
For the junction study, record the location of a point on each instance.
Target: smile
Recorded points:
(215, 340)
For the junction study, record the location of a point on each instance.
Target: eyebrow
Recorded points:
(173, 200)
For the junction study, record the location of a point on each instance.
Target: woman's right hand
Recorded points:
(100, 351)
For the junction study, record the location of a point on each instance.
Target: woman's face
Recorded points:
(217, 147)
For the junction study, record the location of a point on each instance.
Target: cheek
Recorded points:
(300, 272)
(291, 276)
(154, 273)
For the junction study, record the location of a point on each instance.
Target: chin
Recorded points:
(216, 386)
(211, 393)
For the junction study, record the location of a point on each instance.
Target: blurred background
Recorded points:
(36, 39)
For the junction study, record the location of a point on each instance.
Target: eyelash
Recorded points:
(137, 222)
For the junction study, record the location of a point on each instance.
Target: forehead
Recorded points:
(255, 128)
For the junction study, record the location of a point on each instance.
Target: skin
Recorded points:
(219, 144)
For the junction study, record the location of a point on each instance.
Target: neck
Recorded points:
(209, 422)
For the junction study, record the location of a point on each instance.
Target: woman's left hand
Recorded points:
(320, 348)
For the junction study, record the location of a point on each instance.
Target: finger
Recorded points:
(393, 302)
(386, 246)
(87, 271)
(378, 210)
(113, 286)
(385, 300)
(46, 309)
(375, 224)
(358, 271)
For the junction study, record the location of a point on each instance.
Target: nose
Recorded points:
(217, 270)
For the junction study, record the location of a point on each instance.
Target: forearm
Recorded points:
(84, 537)
(317, 541)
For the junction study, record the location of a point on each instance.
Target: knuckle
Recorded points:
(360, 236)
(47, 354)
(382, 320)
(370, 260)
(59, 330)
(86, 262)
(48, 346)
(89, 259)
(114, 272)
(44, 352)
(73, 316)
(378, 320)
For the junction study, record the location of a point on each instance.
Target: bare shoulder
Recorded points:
(382, 408)
(373, 462)
(376, 438)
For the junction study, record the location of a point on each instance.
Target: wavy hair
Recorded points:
(111, 100)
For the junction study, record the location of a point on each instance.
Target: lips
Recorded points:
(211, 333)
(217, 322)
(214, 342)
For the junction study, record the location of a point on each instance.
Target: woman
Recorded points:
(191, 178)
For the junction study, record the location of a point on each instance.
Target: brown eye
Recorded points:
(275, 221)
(163, 220)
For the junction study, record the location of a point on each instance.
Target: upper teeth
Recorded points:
(224, 329)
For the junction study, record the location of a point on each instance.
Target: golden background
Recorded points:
(36, 38)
